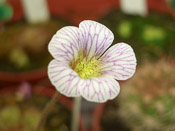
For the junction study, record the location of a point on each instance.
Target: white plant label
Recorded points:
(36, 11)
(134, 7)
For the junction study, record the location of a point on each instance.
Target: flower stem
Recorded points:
(76, 114)
(47, 110)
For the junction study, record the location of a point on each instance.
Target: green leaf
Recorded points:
(125, 29)
(6, 12)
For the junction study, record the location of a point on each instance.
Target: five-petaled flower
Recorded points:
(82, 67)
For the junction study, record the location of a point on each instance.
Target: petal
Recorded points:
(119, 61)
(65, 44)
(95, 37)
(64, 78)
(99, 89)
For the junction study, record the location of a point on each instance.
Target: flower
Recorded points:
(81, 67)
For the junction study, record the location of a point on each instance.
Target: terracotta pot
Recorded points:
(11, 78)
(158, 5)
(73, 10)
(48, 92)
(78, 10)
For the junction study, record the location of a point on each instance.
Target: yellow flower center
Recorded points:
(87, 68)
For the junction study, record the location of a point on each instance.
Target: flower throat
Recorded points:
(86, 69)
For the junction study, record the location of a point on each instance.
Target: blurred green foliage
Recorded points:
(151, 37)
(147, 101)
(171, 3)
(19, 58)
(24, 115)
(6, 12)
(125, 29)
(23, 46)
(154, 35)
(9, 116)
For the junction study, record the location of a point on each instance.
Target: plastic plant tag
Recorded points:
(36, 11)
(134, 7)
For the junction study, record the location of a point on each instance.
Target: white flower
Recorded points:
(81, 67)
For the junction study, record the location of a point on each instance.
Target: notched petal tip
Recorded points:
(95, 37)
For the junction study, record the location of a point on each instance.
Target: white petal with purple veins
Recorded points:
(119, 61)
(65, 44)
(99, 89)
(95, 37)
(64, 78)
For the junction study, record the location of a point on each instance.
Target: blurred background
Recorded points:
(146, 101)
